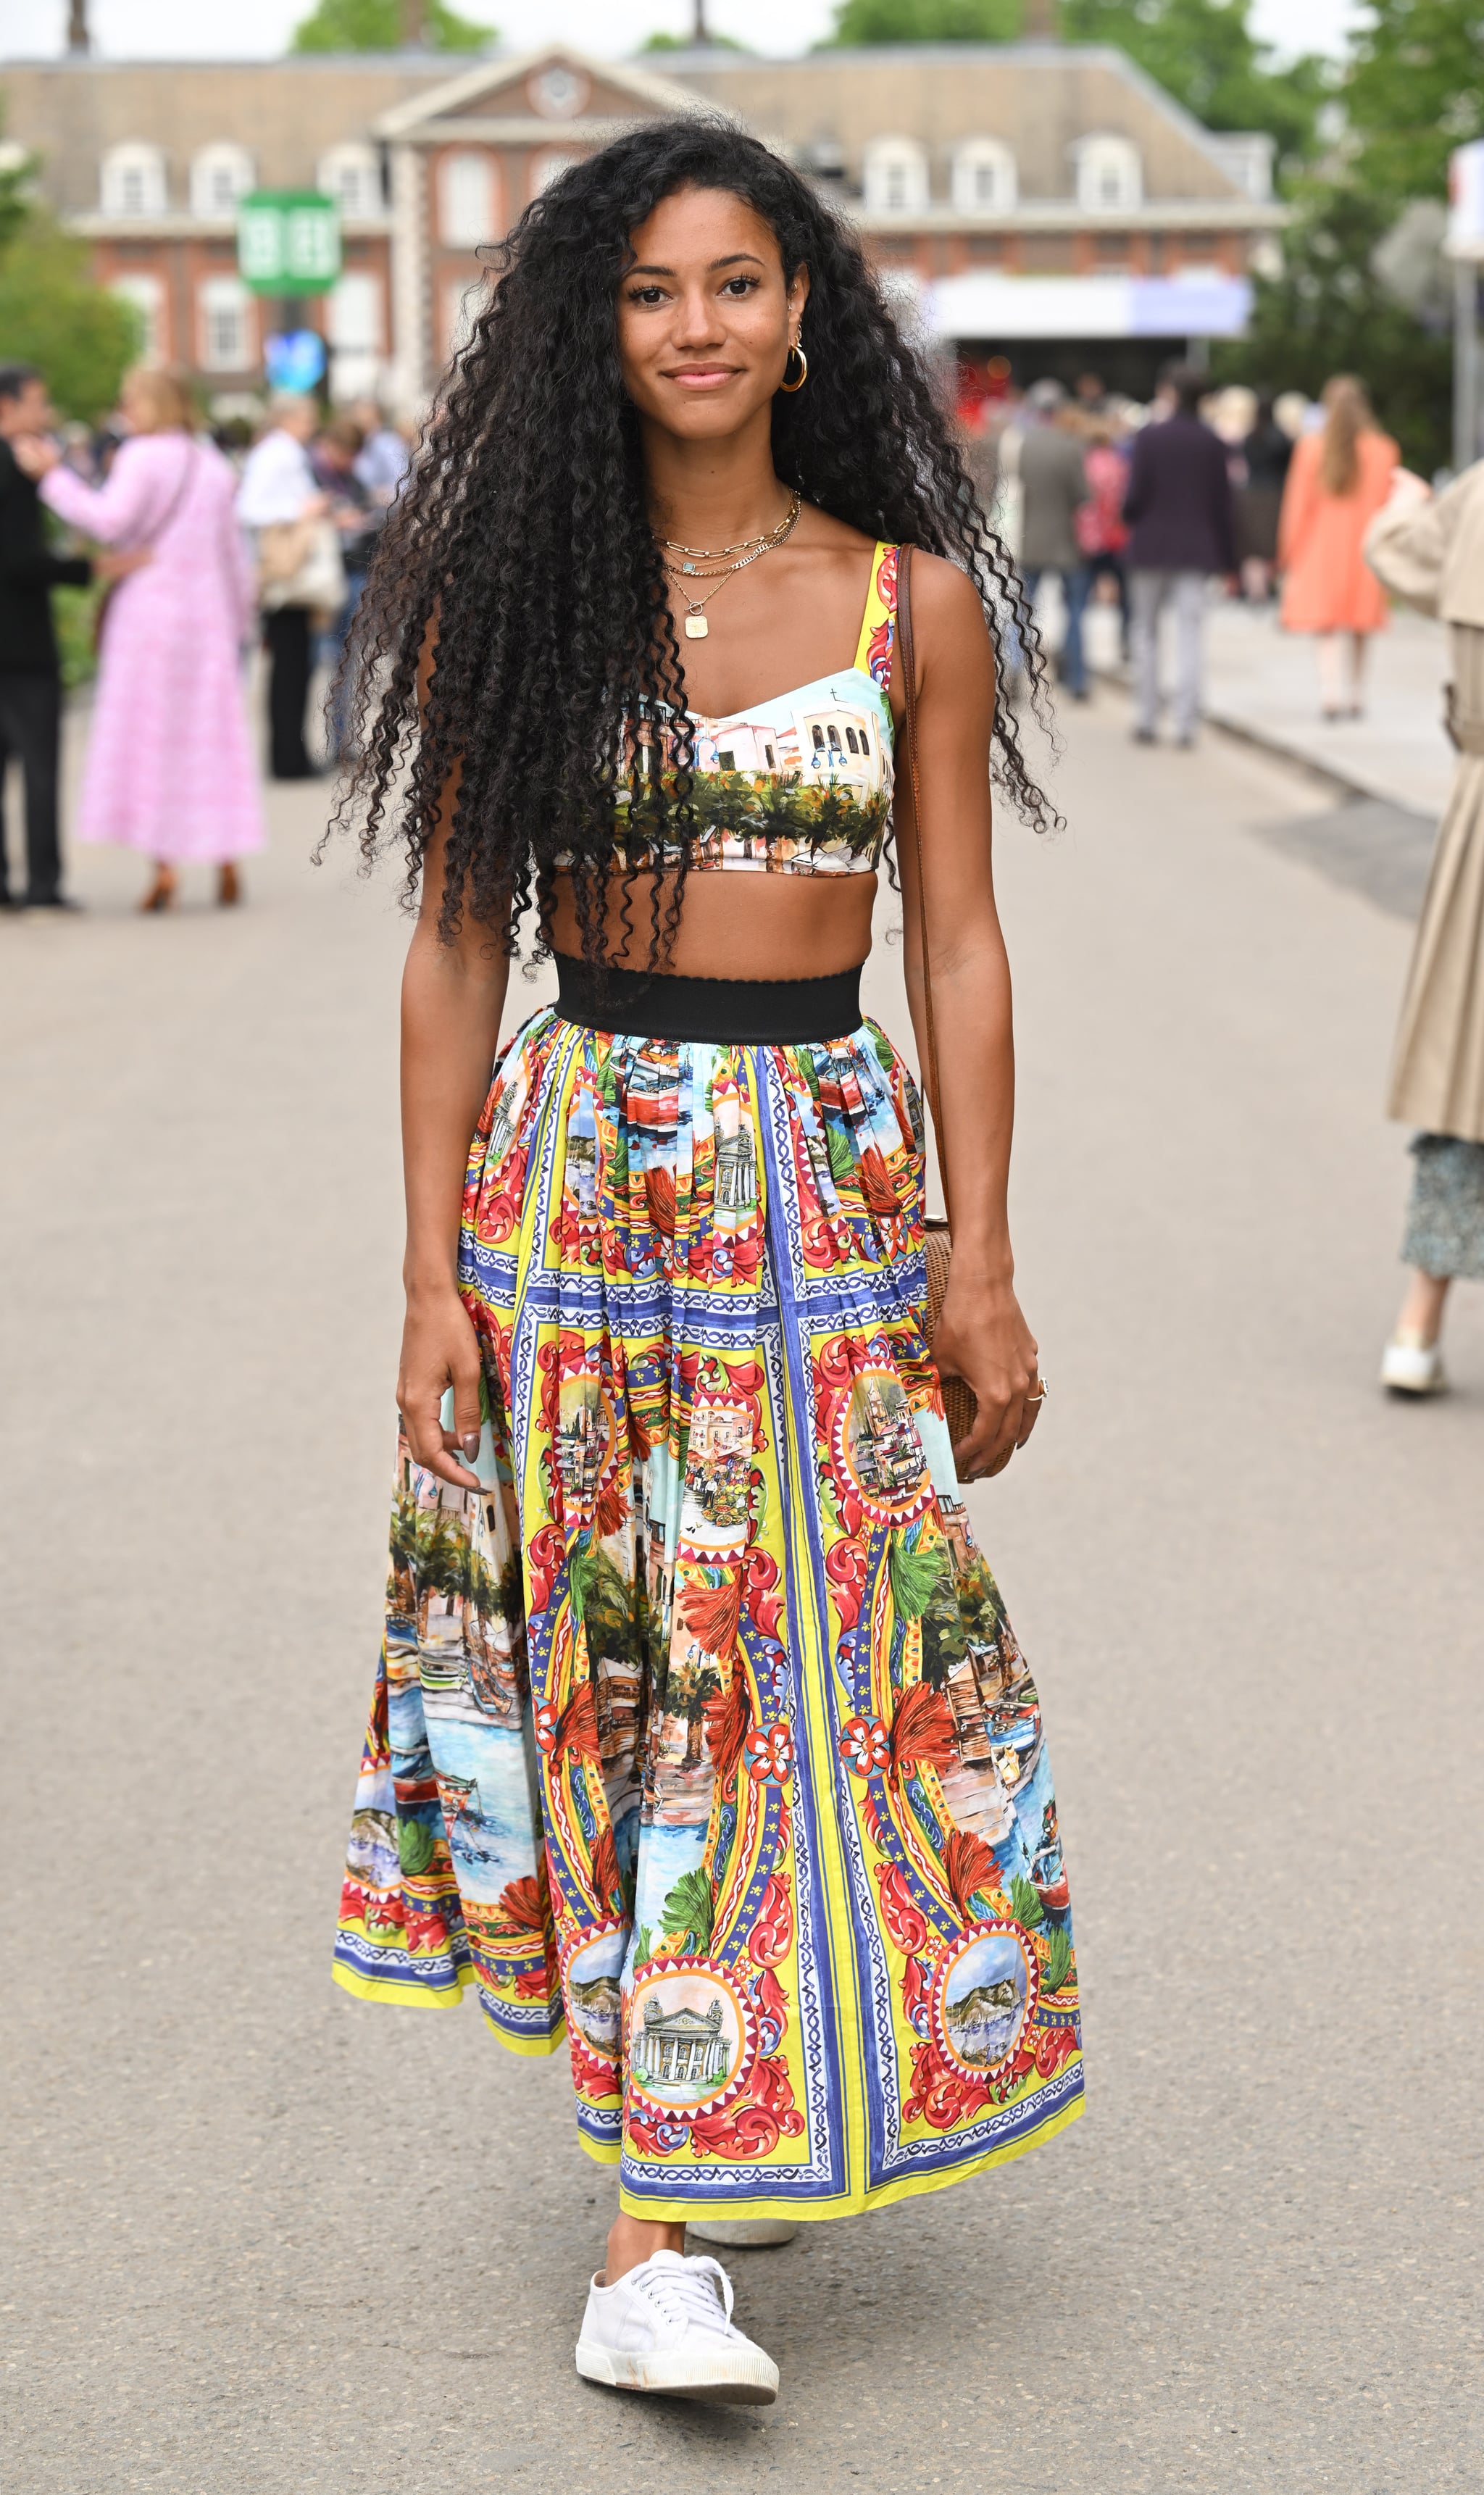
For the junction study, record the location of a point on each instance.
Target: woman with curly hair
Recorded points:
(700, 1732)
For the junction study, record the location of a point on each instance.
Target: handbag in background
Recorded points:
(300, 564)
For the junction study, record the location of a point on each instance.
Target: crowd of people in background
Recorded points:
(1161, 507)
(1147, 505)
(201, 544)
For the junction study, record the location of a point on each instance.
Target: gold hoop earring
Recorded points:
(796, 350)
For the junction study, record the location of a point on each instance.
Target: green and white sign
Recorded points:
(287, 242)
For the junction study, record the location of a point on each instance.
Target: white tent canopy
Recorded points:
(987, 304)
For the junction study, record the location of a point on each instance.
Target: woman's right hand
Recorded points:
(35, 454)
(440, 1349)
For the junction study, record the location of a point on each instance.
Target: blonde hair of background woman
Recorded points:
(1347, 416)
(165, 398)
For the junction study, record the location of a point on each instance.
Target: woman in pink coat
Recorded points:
(170, 768)
(1337, 481)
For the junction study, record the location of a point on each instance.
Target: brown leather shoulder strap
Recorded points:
(909, 658)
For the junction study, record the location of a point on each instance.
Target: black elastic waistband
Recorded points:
(760, 1013)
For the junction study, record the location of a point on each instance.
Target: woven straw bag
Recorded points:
(959, 1403)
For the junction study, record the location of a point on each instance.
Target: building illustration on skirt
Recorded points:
(736, 1167)
(684, 2049)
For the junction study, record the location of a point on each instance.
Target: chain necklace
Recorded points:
(719, 554)
(697, 627)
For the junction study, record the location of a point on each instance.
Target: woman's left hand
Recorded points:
(118, 565)
(984, 1339)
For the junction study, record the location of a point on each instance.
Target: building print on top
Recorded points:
(835, 741)
(800, 784)
(1006, 192)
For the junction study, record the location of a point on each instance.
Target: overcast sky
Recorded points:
(183, 30)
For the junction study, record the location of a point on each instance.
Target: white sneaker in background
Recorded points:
(666, 2326)
(1413, 1368)
(742, 2234)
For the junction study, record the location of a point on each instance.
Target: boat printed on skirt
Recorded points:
(701, 1733)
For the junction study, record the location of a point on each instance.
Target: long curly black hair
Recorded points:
(524, 531)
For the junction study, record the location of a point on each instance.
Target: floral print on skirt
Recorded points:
(701, 1733)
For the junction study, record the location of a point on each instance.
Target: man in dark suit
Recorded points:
(30, 672)
(1178, 504)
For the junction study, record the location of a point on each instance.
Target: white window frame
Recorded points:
(219, 297)
(352, 177)
(212, 195)
(145, 294)
(985, 178)
(1110, 173)
(130, 181)
(468, 200)
(356, 313)
(896, 177)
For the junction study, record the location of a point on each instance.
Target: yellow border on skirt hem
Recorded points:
(856, 2203)
(416, 1996)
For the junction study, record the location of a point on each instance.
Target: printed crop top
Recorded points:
(801, 784)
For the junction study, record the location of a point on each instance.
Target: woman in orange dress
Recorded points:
(1338, 479)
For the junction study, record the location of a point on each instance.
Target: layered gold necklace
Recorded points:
(713, 562)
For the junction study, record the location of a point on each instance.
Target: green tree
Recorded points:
(1203, 52)
(381, 27)
(51, 315)
(16, 172)
(1413, 90)
(1329, 312)
(661, 42)
(927, 21)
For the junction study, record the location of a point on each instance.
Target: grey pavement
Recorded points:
(1263, 683)
(261, 2238)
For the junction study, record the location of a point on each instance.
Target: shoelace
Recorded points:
(690, 2289)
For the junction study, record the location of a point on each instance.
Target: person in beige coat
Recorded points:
(1430, 550)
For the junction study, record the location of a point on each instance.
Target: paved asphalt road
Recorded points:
(260, 2239)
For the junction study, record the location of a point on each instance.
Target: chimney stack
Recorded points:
(79, 40)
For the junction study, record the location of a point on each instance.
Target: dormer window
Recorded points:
(985, 180)
(1110, 173)
(352, 177)
(896, 177)
(220, 176)
(133, 181)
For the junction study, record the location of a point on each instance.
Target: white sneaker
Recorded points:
(742, 2234)
(1413, 1368)
(666, 2326)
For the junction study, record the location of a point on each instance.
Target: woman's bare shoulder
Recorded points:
(944, 599)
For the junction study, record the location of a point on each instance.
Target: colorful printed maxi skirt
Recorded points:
(701, 1733)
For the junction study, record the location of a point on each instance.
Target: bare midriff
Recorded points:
(736, 926)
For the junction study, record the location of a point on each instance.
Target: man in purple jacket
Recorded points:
(1178, 504)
